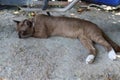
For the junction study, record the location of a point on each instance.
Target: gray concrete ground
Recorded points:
(56, 58)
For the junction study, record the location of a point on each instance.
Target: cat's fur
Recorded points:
(43, 26)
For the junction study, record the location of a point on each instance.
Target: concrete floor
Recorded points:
(56, 58)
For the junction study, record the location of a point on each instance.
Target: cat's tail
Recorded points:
(115, 46)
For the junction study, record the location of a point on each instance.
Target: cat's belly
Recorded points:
(67, 33)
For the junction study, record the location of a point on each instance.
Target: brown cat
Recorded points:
(43, 26)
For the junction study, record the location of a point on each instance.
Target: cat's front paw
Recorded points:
(112, 55)
(90, 59)
(118, 54)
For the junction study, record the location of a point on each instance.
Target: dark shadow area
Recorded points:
(9, 7)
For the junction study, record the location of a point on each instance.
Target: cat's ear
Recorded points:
(29, 23)
(17, 22)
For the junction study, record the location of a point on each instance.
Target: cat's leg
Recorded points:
(111, 52)
(40, 33)
(87, 43)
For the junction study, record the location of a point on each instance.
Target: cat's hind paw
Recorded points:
(112, 55)
(90, 59)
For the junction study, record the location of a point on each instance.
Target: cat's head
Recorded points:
(25, 28)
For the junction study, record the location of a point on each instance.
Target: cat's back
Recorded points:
(67, 22)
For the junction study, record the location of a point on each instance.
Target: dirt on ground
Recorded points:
(56, 58)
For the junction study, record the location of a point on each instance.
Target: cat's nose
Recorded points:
(20, 33)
